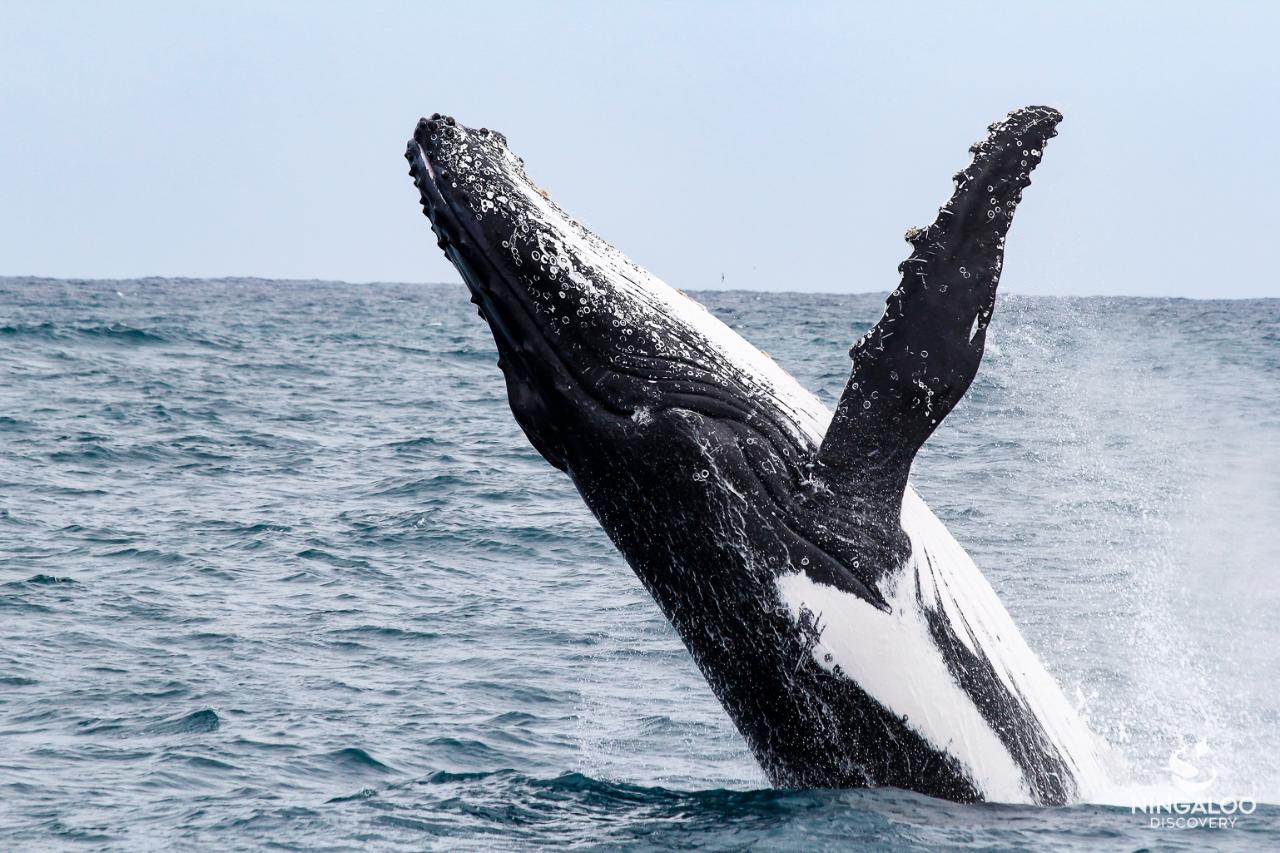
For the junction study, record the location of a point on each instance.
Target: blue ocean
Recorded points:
(278, 570)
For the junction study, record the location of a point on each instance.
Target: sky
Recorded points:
(772, 146)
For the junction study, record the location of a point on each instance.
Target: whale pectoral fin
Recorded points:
(913, 366)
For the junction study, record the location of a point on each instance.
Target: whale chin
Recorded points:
(848, 636)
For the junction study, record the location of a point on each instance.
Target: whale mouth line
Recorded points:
(455, 238)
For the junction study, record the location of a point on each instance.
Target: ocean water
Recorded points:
(278, 570)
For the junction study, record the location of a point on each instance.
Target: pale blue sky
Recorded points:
(783, 146)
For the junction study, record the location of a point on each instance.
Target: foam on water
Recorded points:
(276, 563)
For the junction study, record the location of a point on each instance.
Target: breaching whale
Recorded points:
(849, 637)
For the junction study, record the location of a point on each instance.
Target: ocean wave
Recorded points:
(121, 334)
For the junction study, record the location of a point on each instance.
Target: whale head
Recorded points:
(586, 338)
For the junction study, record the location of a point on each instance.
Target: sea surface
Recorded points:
(279, 571)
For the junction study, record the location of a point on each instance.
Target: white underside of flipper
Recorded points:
(893, 657)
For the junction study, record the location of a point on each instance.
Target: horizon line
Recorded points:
(712, 289)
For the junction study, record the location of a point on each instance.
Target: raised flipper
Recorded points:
(913, 366)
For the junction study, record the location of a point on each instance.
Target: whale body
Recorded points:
(850, 638)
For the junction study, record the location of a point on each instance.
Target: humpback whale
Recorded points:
(849, 637)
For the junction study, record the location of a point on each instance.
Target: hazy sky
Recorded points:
(781, 146)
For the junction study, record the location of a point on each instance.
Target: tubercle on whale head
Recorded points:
(437, 150)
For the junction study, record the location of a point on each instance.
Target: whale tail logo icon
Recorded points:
(1188, 777)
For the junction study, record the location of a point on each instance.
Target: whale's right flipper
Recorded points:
(913, 366)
